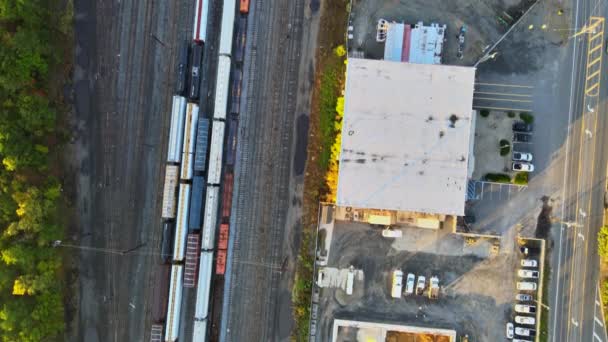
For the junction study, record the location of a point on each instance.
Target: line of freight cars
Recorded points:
(226, 111)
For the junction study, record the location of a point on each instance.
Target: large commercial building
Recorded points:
(407, 140)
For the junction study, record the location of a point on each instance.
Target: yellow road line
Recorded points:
(498, 99)
(505, 85)
(501, 94)
(595, 73)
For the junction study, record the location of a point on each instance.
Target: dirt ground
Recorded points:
(480, 19)
(477, 287)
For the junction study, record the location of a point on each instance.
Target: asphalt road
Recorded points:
(575, 315)
(267, 194)
(123, 79)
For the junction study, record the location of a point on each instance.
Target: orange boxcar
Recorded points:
(244, 6)
(223, 240)
(220, 262)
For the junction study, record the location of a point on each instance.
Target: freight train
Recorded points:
(196, 186)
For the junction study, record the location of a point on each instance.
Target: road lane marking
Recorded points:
(597, 336)
(598, 321)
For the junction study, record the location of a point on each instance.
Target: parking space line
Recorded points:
(502, 94)
(499, 99)
(504, 85)
(503, 108)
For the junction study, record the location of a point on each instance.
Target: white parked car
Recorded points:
(522, 308)
(525, 331)
(397, 283)
(526, 286)
(527, 274)
(409, 283)
(421, 285)
(523, 297)
(522, 156)
(509, 331)
(521, 166)
(529, 263)
(525, 320)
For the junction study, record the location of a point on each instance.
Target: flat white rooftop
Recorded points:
(344, 330)
(405, 136)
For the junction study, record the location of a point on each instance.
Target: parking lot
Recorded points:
(477, 279)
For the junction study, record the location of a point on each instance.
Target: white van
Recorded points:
(526, 286)
(397, 284)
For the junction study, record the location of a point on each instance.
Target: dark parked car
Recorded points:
(522, 137)
(520, 126)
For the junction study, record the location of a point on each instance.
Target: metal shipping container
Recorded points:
(227, 197)
(235, 91)
(196, 203)
(204, 286)
(240, 40)
(202, 144)
(210, 218)
(189, 141)
(195, 75)
(232, 141)
(166, 246)
(176, 132)
(222, 241)
(169, 189)
(174, 306)
(244, 7)
(215, 153)
(160, 293)
(201, 14)
(182, 68)
(220, 263)
(221, 88)
(181, 223)
(200, 330)
(191, 266)
(228, 14)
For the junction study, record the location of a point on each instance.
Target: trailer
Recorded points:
(201, 15)
(220, 263)
(169, 190)
(195, 74)
(227, 196)
(202, 144)
(221, 88)
(174, 304)
(210, 218)
(244, 7)
(182, 68)
(196, 203)
(235, 91)
(200, 330)
(181, 223)
(176, 132)
(228, 14)
(189, 141)
(222, 241)
(232, 140)
(201, 310)
(191, 266)
(240, 40)
(160, 295)
(166, 246)
(215, 153)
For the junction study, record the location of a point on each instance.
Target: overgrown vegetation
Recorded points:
(521, 178)
(511, 114)
(323, 149)
(497, 177)
(504, 147)
(484, 113)
(33, 45)
(602, 242)
(526, 117)
(544, 315)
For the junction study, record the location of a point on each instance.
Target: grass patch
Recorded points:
(484, 113)
(497, 177)
(521, 178)
(329, 91)
(543, 326)
(526, 117)
(504, 147)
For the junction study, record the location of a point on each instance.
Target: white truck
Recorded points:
(397, 284)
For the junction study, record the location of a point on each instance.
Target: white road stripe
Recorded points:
(597, 337)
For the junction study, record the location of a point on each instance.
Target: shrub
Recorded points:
(484, 113)
(521, 178)
(602, 242)
(340, 51)
(511, 114)
(526, 117)
(497, 177)
(504, 147)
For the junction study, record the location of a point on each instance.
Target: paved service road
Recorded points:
(574, 313)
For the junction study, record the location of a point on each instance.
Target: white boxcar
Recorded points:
(210, 217)
(201, 14)
(168, 210)
(189, 141)
(174, 305)
(221, 88)
(226, 32)
(200, 331)
(215, 153)
(204, 286)
(176, 132)
(181, 223)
